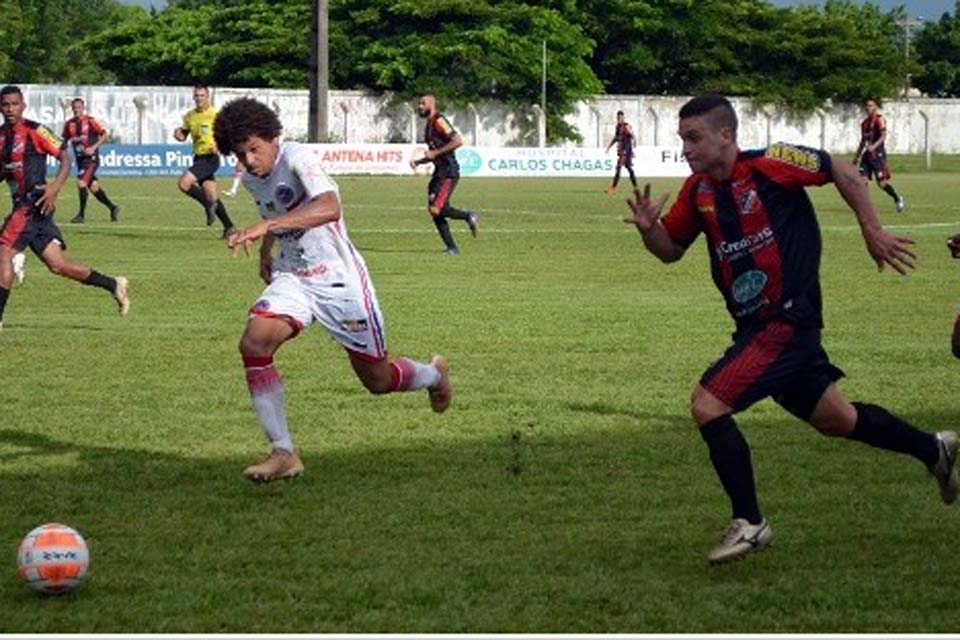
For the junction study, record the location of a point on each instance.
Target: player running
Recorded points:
(764, 246)
(86, 136)
(24, 146)
(625, 140)
(199, 181)
(872, 155)
(442, 142)
(317, 276)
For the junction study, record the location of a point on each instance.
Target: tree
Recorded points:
(938, 50)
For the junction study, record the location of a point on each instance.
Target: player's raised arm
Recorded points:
(883, 246)
(646, 218)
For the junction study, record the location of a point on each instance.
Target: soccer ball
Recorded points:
(53, 558)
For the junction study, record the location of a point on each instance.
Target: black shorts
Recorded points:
(87, 168)
(440, 189)
(625, 159)
(875, 165)
(27, 227)
(777, 360)
(205, 167)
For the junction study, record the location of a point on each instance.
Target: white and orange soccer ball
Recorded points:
(53, 558)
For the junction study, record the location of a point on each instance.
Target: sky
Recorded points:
(931, 9)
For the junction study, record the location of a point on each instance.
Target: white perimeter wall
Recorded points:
(358, 117)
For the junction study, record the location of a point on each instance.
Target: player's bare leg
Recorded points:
(402, 374)
(261, 339)
(60, 264)
(874, 425)
(748, 531)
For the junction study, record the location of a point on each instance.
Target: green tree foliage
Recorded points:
(800, 56)
(938, 50)
(42, 38)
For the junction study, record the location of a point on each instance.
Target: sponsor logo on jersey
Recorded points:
(749, 242)
(748, 286)
(803, 158)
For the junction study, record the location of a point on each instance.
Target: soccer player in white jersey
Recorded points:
(317, 276)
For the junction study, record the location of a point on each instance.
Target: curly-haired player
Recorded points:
(318, 276)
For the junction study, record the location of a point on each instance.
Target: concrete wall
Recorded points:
(359, 117)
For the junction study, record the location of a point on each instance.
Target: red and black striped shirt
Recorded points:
(24, 148)
(438, 133)
(762, 233)
(80, 132)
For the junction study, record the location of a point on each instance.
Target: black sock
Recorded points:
(196, 193)
(97, 279)
(456, 214)
(101, 195)
(616, 178)
(222, 215)
(444, 228)
(891, 192)
(730, 456)
(633, 177)
(83, 199)
(879, 428)
(4, 294)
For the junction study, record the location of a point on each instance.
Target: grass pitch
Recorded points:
(565, 490)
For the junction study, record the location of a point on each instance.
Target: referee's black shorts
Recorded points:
(205, 167)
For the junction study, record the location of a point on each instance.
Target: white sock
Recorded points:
(410, 375)
(266, 390)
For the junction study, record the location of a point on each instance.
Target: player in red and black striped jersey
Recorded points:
(442, 142)
(86, 136)
(872, 154)
(763, 240)
(624, 139)
(24, 147)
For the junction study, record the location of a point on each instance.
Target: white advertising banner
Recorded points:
(394, 159)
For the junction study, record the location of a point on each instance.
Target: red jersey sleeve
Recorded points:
(66, 131)
(46, 141)
(683, 222)
(443, 127)
(96, 127)
(794, 166)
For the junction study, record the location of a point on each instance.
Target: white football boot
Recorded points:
(740, 539)
(945, 471)
(19, 262)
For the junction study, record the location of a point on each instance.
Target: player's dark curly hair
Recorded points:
(241, 119)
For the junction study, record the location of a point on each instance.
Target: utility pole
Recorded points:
(318, 127)
(543, 84)
(908, 23)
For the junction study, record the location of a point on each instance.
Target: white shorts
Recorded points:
(347, 310)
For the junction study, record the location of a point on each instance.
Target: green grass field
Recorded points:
(565, 490)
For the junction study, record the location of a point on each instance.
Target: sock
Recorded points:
(955, 338)
(196, 193)
(730, 456)
(444, 228)
(616, 178)
(222, 215)
(97, 279)
(633, 177)
(266, 391)
(879, 428)
(4, 294)
(891, 192)
(101, 195)
(456, 214)
(409, 375)
(83, 200)
(236, 183)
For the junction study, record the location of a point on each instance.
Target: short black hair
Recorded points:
(718, 109)
(202, 86)
(76, 100)
(619, 113)
(424, 94)
(11, 89)
(873, 99)
(241, 119)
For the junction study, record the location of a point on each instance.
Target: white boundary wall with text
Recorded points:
(148, 115)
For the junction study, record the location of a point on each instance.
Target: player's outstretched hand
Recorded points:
(953, 243)
(887, 248)
(645, 211)
(249, 234)
(47, 202)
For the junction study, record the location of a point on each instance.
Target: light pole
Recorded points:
(318, 126)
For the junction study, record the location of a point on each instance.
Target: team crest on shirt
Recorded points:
(284, 194)
(748, 202)
(261, 305)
